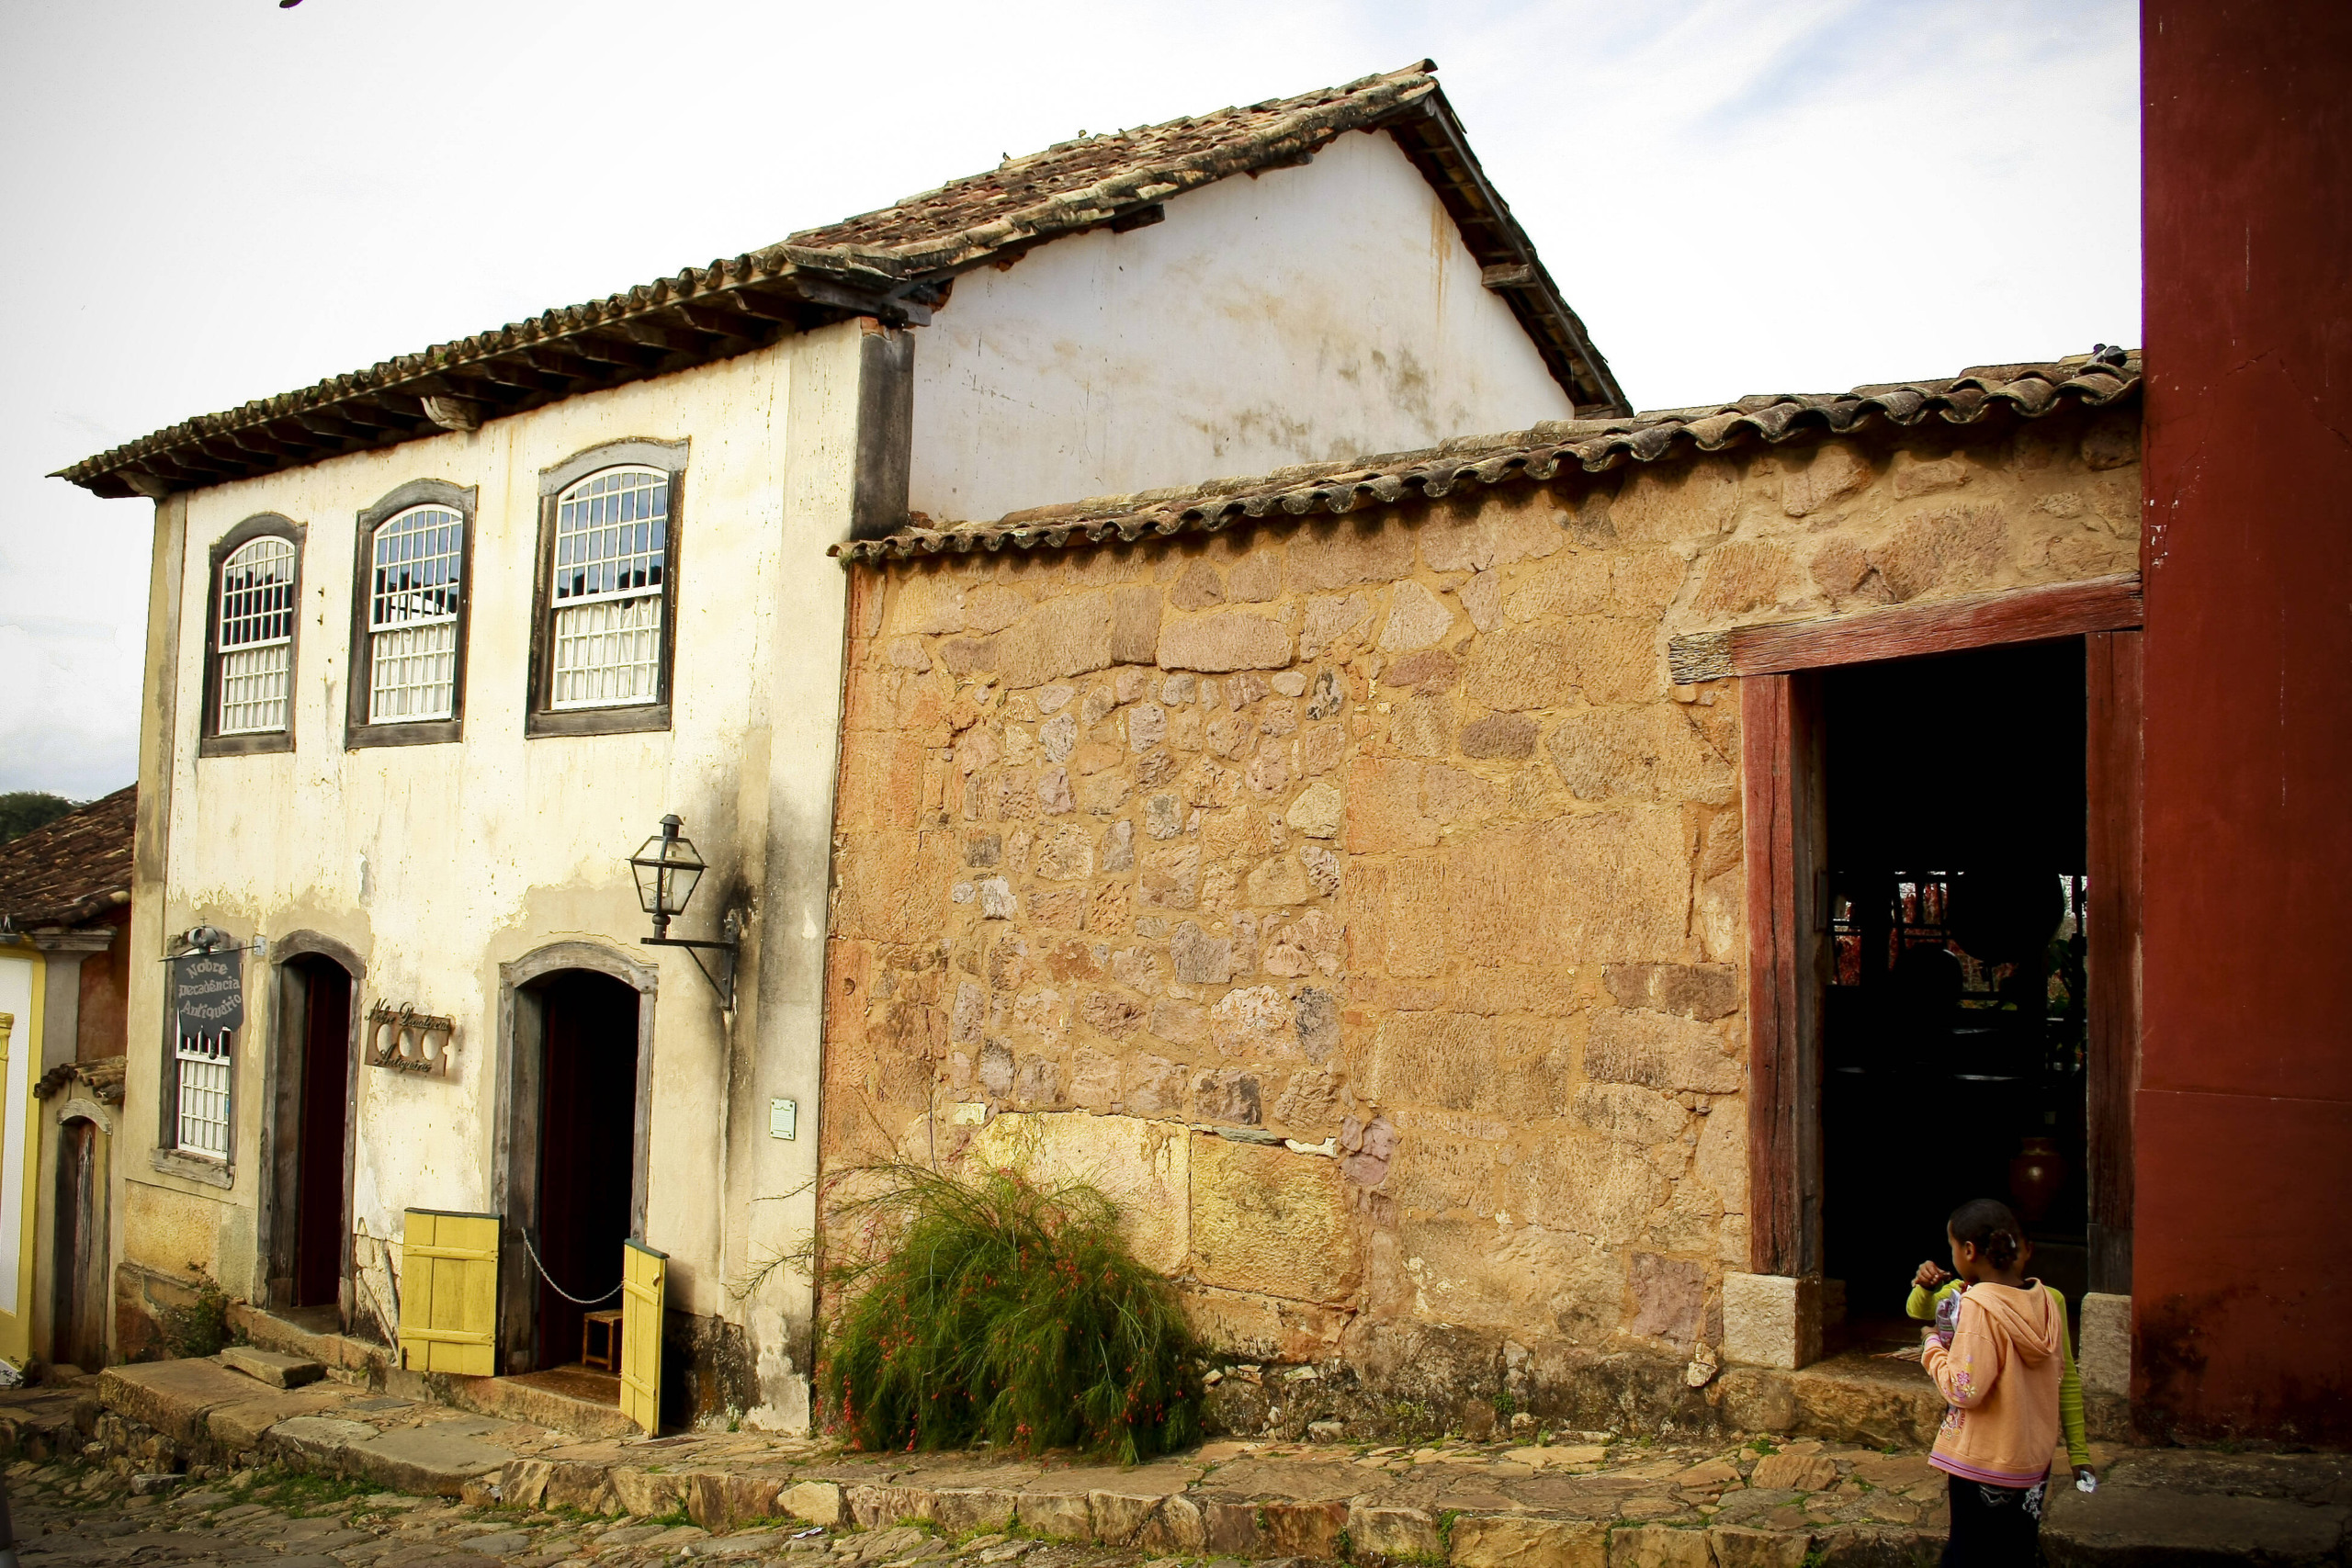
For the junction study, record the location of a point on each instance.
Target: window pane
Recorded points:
(204, 1094)
(418, 556)
(604, 544)
(253, 688)
(256, 635)
(414, 597)
(412, 673)
(608, 653)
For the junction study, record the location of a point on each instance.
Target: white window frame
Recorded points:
(260, 613)
(616, 590)
(204, 1095)
(425, 607)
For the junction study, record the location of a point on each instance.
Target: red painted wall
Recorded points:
(2242, 1280)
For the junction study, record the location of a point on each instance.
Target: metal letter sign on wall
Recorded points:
(208, 992)
(408, 1041)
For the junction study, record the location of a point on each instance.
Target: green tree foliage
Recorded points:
(1006, 1311)
(23, 810)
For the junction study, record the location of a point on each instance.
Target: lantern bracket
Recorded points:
(722, 984)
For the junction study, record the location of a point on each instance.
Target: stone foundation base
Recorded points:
(1389, 1383)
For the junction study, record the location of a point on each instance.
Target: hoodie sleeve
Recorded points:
(1966, 1373)
(2070, 1390)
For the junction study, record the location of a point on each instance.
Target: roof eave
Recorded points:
(1431, 135)
(701, 315)
(1551, 450)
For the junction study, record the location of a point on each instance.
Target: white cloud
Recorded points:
(209, 203)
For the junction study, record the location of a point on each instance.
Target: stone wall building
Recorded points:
(433, 647)
(1364, 899)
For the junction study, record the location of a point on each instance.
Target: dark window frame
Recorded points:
(358, 731)
(540, 716)
(210, 742)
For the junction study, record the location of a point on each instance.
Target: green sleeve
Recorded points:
(2070, 1390)
(1922, 1305)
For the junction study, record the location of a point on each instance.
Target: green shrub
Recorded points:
(1007, 1311)
(198, 1329)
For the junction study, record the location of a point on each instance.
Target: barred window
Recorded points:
(256, 636)
(413, 590)
(203, 1121)
(611, 539)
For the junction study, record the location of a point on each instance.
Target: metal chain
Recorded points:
(558, 1290)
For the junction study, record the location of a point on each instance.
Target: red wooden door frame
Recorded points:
(1784, 822)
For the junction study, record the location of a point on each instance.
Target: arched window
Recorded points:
(416, 567)
(607, 587)
(255, 638)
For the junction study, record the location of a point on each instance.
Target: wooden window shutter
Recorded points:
(449, 1293)
(644, 1276)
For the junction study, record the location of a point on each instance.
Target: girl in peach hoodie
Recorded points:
(2001, 1377)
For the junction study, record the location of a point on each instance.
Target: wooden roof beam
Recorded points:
(726, 319)
(606, 345)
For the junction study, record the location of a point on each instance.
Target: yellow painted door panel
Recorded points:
(449, 1293)
(644, 1277)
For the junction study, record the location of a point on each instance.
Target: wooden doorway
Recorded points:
(1791, 897)
(79, 1294)
(310, 1133)
(587, 1129)
(574, 1082)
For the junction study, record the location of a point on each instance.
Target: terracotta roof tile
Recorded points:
(1594, 445)
(71, 870)
(895, 263)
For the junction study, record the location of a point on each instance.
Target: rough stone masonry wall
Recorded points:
(1354, 899)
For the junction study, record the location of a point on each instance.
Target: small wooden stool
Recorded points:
(610, 1322)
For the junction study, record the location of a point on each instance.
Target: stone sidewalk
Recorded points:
(1552, 1500)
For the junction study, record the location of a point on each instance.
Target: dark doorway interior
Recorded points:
(77, 1299)
(319, 1146)
(587, 1149)
(1954, 1027)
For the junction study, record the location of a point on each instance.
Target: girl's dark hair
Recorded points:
(1988, 1224)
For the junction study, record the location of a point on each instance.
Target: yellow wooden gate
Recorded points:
(644, 1276)
(449, 1293)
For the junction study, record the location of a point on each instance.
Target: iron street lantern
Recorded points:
(667, 869)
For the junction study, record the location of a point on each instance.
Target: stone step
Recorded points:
(338, 1353)
(275, 1367)
(523, 1400)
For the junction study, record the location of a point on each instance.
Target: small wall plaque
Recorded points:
(407, 1041)
(783, 1118)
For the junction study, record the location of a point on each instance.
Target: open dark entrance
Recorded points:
(321, 1132)
(1954, 1018)
(77, 1299)
(586, 1152)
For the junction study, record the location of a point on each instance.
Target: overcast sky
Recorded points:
(207, 201)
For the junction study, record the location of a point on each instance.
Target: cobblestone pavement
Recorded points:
(393, 1481)
(68, 1514)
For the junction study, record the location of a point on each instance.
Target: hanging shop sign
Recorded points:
(208, 991)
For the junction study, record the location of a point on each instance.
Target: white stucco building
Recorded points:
(433, 648)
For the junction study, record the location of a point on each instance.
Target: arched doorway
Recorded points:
(311, 1132)
(587, 1139)
(578, 1024)
(77, 1282)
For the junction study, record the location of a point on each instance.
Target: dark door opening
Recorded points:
(321, 1133)
(1953, 1021)
(77, 1298)
(587, 1151)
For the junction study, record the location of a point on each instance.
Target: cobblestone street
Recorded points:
(69, 1513)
